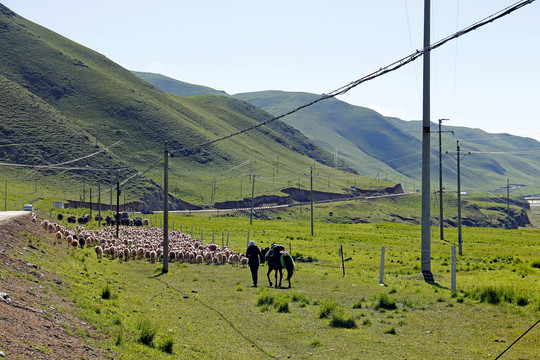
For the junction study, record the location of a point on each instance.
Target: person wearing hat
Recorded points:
(254, 259)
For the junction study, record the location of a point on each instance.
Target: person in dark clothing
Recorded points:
(254, 259)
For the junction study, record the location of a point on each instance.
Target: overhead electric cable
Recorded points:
(58, 166)
(344, 89)
(384, 70)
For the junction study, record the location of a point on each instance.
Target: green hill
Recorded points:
(360, 134)
(390, 148)
(95, 123)
(176, 87)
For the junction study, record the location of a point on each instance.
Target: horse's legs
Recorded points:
(280, 276)
(289, 278)
(276, 272)
(268, 275)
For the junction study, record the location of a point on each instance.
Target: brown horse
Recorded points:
(277, 261)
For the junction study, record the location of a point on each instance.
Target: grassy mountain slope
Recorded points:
(397, 143)
(65, 102)
(493, 159)
(387, 147)
(179, 88)
(362, 137)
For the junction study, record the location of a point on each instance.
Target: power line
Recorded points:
(529, 329)
(344, 89)
(59, 167)
(382, 71)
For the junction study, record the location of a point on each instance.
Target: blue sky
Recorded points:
(488, 79)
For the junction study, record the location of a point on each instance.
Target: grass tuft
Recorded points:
(327, 307)
(384, 301)
(339, 320)
(147, 333)
(106, 293)
(166, 345)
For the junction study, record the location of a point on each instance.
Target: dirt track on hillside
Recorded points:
(35, 322)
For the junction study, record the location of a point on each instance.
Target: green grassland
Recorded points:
(207, 311)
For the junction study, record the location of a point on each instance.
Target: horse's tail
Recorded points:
(289, 264)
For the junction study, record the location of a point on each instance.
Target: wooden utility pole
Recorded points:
(90, 203)
(166, 211)
(252, 195)
(508, 203)
(99, 203)
(117, 208)
(311, 196)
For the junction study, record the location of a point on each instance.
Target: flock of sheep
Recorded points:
(144, 243)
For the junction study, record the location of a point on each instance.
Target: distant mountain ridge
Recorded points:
(380, 146)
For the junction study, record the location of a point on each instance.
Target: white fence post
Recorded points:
(453, 286)
(381, 276)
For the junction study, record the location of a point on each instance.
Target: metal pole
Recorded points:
(381, 274)
(117, 208)
(426, 206)
(5, 198)
(311, 181)
(459, 201)
(90, 203)
(508, 203)
(165, 210)
(342, 261)
(252, 194)
(111, 192)
(453, 280)
(99, 203)
(441, 218)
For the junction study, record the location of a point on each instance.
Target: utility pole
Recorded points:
(111, 191)
(311, 183)
(508, 203)
(441, 218)
(90, 203)
(460, 240)
(458, 158)
(252, 195)
(99, 203)
(117, 208)
(426, 206)
(166, 210)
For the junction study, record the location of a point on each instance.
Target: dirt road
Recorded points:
(6, 215)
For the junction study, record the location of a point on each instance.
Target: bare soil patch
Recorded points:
(35, 321)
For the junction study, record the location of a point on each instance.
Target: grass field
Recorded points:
(208, 311)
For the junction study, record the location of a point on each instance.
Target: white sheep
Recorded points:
(99, 251)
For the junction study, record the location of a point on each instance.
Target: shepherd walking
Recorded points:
(254, 259)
